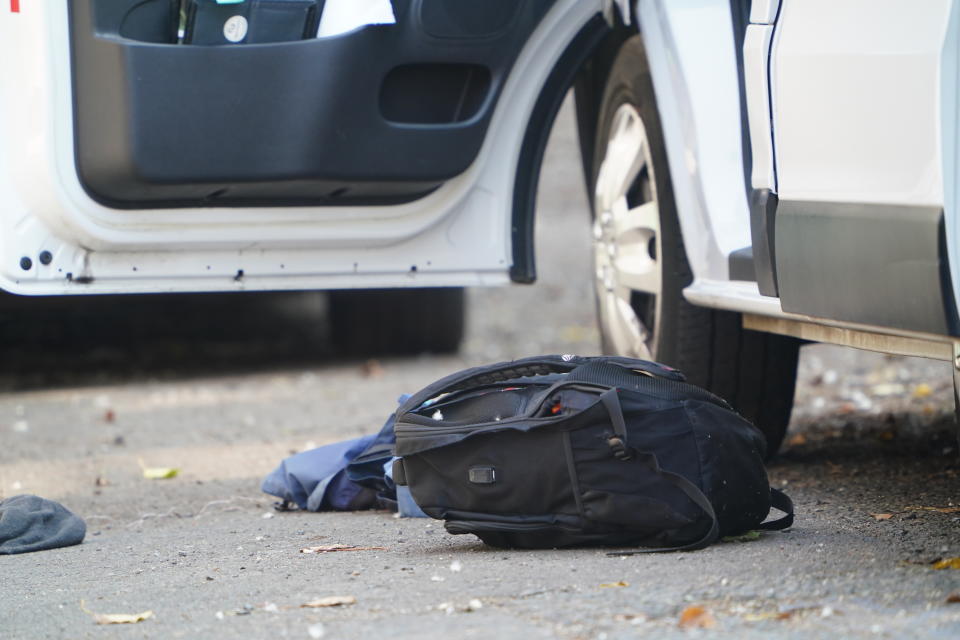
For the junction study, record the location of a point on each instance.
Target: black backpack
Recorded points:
(556, 451)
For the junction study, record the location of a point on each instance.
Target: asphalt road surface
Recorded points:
(223, 387)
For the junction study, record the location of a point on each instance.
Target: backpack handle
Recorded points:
(528, 367)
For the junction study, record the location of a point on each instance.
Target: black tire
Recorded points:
(397, 321)
(755, 372)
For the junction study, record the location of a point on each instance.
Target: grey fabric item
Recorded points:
(30, 523)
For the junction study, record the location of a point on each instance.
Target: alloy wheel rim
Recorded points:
(626, 239)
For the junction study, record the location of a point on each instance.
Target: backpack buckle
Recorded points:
(620, 451)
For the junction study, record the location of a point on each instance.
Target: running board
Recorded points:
(924, 346)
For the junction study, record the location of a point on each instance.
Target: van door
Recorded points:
(861, 140)
(200, 145)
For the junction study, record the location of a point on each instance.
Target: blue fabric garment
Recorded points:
(305, 478)
(345, 476)
(368, 467)
(406, 505)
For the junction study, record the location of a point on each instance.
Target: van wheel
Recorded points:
(397, 321)
(641, 266)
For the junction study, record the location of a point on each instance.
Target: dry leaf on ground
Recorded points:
(768, 615)
(922, 390)
(331, 601)
(881, 516)
(331, 548)
(846, 408)
(936, 509)
(158, 473)
(121, 618)
(797, 440)
(619, 583)
(947, 563)
(696, 617)
(953, 598)
(116, 618)
(888, 389)
(632, 618)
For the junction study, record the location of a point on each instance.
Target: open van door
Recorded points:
(203, 145)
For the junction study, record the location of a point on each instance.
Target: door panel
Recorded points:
(380, 115)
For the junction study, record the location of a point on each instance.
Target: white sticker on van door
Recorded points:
(343, 16)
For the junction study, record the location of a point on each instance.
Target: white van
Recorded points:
(762, 171)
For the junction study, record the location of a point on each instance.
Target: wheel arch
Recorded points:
(696, 73)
